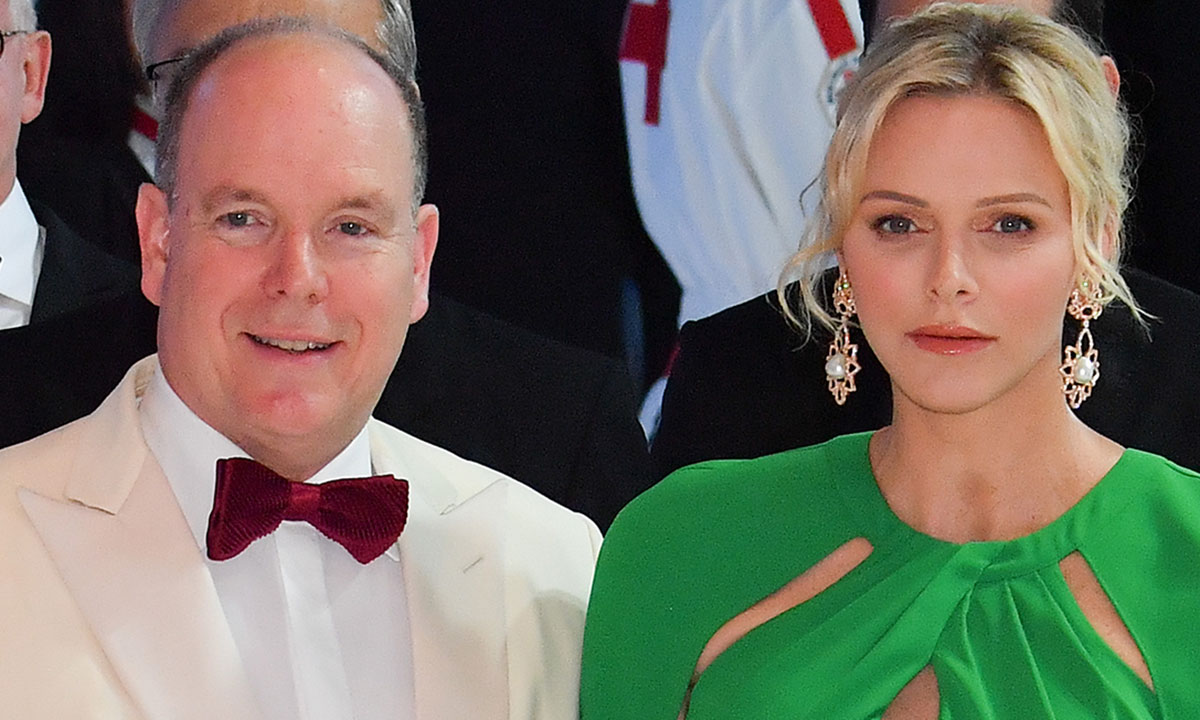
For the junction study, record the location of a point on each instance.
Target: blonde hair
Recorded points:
(952, 49)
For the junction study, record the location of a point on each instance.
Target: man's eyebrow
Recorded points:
(899, 197)
(226, 193)
(377, 202)
(1013, 198)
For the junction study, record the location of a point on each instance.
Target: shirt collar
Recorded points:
(187, 449)
(19, 261)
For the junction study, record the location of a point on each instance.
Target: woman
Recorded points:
(987, 555)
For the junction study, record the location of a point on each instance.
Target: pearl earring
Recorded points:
(841, 363)
(1081, 362)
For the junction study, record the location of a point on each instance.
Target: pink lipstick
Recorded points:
(949, 339)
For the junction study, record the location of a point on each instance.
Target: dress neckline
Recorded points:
(850, 460)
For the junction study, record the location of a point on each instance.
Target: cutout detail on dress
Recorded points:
(1100, 612)
(804, 587)
(918, 700)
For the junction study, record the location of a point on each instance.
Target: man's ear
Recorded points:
(152, 214)
(36, 66)
(424, 243)
(1111, 74)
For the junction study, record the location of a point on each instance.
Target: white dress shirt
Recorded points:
(22, 244)
(322, 637)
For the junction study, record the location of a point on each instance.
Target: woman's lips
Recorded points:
(950, 339)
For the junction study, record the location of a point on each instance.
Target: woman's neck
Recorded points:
(996, 473)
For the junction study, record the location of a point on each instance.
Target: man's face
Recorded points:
(191, 22)
(888, 9)
(23, 69)
(289, 265)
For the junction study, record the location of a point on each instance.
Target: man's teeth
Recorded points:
(290, 345)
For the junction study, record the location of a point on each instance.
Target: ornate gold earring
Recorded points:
(1081, 362)
(841, 363)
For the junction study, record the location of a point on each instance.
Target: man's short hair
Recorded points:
(1085, 16)
(194, 65)
(22, 15)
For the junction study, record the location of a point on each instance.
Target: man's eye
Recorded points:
(350, 227)
(238, 219)
(1012, 224)
(894, 225)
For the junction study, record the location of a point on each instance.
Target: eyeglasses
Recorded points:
(160, 75)
(8, 34)
(158, 71)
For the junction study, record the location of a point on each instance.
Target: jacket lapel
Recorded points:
(125, 553)
(452, 556)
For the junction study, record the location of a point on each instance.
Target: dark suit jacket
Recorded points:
(1153, 42)
(92, 187)
(74, 273)
(559, 419)
(743, 385)
(527, 160)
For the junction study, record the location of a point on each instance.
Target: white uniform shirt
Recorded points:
(744, 114)
(22, 244)
(322, 637)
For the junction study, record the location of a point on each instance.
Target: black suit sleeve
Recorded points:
(746, 383)
(557, 418)
(612, 466)
(730, 389)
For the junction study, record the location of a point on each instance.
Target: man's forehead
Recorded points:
(309, 82)
(267, 67)
(190, 22)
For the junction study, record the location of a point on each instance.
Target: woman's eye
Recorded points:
(894, 225)
(1012, 224)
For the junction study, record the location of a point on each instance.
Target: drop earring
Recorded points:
(841, 363)
(1081, 362)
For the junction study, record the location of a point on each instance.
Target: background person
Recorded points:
(46, 270)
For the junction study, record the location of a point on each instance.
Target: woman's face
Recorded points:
(960, 252)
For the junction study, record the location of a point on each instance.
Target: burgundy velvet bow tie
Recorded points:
(363, 515)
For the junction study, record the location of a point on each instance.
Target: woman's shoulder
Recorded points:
(702, 545)
(716, 495)
(747, 484)
(1154, 483)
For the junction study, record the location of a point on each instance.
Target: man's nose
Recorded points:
(297, 270)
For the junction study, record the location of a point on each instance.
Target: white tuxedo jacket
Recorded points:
(108, 611)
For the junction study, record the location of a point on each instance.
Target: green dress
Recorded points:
(995, 620)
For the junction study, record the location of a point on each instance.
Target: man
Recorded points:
(746, 384)
(55, 288)
(529, 156)
(557, 418)
(45, 269)
(288, 252)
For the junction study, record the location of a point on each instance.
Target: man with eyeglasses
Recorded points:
(45, 269)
